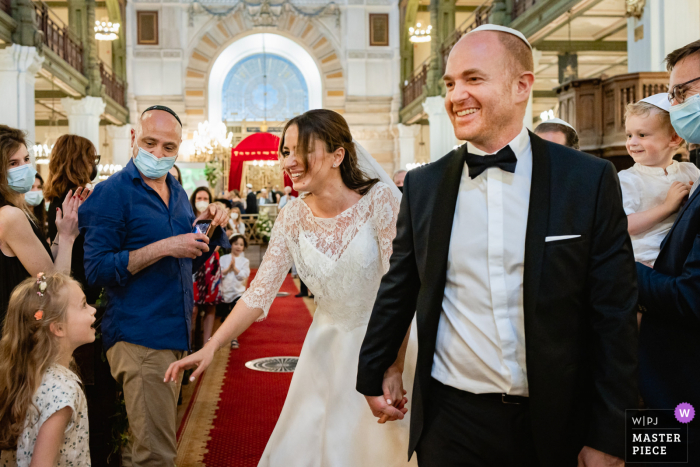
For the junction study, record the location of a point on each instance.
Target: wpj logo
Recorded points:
(656, 436)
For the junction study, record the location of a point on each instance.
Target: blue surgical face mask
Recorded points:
(21, 178)
(34, 198)
(152, 167)
(685, 119)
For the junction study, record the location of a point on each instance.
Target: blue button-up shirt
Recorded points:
(153, 307)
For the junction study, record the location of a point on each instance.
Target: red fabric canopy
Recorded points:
(256, 147)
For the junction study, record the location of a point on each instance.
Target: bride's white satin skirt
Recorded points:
(325, 422)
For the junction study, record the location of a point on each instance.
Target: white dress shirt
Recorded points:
(644, 188)
(481, 335)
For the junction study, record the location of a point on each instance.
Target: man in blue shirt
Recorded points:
(139, 245)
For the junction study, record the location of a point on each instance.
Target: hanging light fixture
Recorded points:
(106, 31)
(420, 33)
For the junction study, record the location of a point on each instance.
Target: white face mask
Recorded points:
(201, 205)
(234, 215)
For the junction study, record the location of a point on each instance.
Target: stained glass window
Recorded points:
(264, 86)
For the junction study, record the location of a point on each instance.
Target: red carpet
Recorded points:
(251, 401)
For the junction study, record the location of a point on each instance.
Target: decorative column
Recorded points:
(90, 52)
(120, 137)
(435, 68)
(84, 117)
(407, 144)
(442, 135)
(657, 27)
(19, 65)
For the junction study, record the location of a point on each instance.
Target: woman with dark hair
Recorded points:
(73, 165)
(207, 279)
(23, 248)
(339, 236)
(35, 199)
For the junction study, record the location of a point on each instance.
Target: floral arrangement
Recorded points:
(264, 226)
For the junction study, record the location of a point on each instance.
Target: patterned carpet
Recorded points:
(233, 410)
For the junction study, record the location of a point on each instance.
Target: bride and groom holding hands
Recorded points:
(510, 256)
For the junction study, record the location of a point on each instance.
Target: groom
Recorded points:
(514, 251)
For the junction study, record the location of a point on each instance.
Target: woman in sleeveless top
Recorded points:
(23, 250)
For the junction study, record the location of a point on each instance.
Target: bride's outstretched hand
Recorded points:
(200, 359)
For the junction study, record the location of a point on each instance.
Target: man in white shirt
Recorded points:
(514, 251)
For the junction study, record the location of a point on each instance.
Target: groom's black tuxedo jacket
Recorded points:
(580, 298)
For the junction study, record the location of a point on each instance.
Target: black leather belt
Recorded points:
(506, 398)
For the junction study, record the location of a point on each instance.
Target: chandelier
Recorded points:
(419, 34)
(210, 139)
(106, 31)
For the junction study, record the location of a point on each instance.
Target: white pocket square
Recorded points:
(560, 237)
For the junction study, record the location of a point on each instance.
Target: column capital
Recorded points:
(20, 58)
(434, 106)
(408, 131)
(87, 106)
(119, 132)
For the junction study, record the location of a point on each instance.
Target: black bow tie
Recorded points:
(504, 159)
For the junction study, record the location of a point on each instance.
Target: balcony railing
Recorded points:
(58, 38)
(414, 84)
(520, 7)
(477, 18)
(6, 6)
(114, 87)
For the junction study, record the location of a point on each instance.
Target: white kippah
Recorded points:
(559, 121)
(659, 100)
(496, 27)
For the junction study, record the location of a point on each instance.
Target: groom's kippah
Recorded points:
(164, 109)
(496, 27)
(559, 121)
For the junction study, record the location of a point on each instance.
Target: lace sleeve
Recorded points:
(386, 211)
(277, 261)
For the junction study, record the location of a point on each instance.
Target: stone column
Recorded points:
(442, 135)
(84, 117)
(407, 144)
(19, 65)
(120, 137)
(664, 26)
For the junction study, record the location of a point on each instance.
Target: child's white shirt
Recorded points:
(644, 188)
(233, 285)
(59, 388)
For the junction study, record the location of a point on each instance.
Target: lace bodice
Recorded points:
(341, 259)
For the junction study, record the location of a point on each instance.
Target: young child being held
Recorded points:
(654, 188)
(235, 269)
(43, 410)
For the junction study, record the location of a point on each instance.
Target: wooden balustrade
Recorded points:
(6, 6)
(114, 87)
(520, 7)
(413, 89)
(58, 38)
(596, 108)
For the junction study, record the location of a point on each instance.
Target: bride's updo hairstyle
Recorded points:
(330, 128)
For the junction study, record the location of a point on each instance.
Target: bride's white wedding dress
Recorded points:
(325, 422)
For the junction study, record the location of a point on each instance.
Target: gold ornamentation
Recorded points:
(634, 8)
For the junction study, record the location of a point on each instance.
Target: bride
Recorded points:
(339, 236)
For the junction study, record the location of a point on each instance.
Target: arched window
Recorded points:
(264, 86)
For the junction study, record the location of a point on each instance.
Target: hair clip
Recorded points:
(41, 282)
(39, 315)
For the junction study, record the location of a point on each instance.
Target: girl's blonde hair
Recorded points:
(28, 347)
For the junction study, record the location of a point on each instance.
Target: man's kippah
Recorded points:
(559, 121)
(164, 109)
(496, 27)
